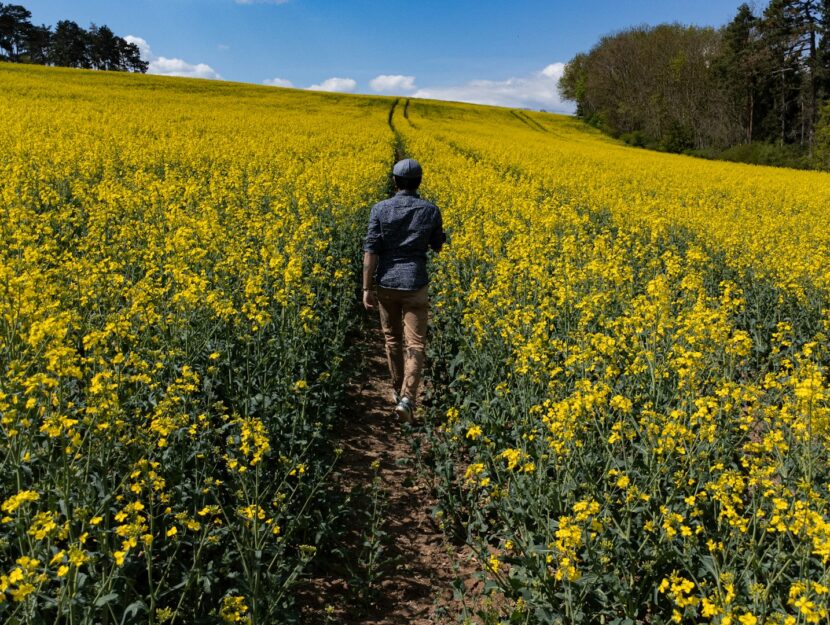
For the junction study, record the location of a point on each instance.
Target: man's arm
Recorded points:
(438, 237)
(370, 264)
(371, 246)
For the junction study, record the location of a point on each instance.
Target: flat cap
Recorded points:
(407, 168)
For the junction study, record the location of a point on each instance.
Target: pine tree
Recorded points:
(823, 53)
(130, 58)
(14, 29)
(807, 16)
(104, 52)
(792, 31)
(38, 41)
(740, 69)
(779, 35)
(69, 46)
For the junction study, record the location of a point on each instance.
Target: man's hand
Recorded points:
(370, 300)
(370, 264)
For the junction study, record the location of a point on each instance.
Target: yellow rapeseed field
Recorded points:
(176, 284)
(630, 355)
(627, 402)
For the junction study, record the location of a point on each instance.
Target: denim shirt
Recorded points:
(401, 230)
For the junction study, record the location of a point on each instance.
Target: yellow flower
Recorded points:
(512, 456)
(234, 610)
(15, 501)
(473, 432)
(477, 468)
(708, 608)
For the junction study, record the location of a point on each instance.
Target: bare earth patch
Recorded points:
(418, 564)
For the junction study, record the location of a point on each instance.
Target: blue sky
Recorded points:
(505, 52)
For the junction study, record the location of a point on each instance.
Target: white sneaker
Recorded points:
(404, 409)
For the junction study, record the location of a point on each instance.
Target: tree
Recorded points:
(653, 86)
(823, 52)
(740, 70)
(571, 85)
(760, 78)
(791, 31)
(39, 44)
(69, 46)
(821, 154)
(778, 34)
(104, 51)
(130, 57)
(14, 30)
(807, 18)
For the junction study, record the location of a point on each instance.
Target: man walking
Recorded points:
(401, 230)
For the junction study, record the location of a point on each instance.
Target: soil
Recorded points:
(419, 564)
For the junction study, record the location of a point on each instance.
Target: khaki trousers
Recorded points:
(403, 318)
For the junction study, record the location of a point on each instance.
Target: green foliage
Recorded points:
(68, 46)
(761, 78)
(651, 80)
(633, 541)
(178, 357)
(608, 385)
(572, 85)
(635, 139)
(821, 159)
(762, 153)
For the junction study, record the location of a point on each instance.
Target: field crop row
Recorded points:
(177, 279)
(629, 360)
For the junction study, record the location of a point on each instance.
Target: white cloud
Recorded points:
(163, 66)
(177, 67)
(342, 85)
(277, 82)
(394, 83)
(143, 46)
(535, 91)
(554, 70)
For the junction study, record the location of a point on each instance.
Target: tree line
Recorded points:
(67, 45)
(759, 85)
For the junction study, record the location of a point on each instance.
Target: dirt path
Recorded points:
(417, 564)
(391, 509)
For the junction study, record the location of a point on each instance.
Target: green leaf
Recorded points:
(101, 601)
(132, 610)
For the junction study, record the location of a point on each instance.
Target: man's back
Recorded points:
(401, 230)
